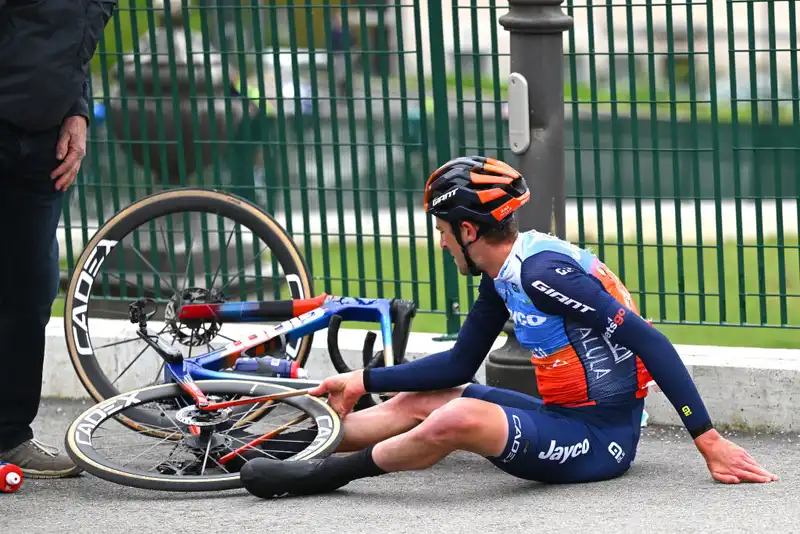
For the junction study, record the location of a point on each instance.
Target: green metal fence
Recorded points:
(682, 138)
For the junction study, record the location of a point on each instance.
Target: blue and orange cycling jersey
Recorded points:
(576, 364)
(592, 351)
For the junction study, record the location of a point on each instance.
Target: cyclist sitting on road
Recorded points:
(593, 354)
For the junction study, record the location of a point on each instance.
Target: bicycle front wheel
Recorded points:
(200, 451)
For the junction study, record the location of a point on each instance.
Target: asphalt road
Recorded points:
(667, 490)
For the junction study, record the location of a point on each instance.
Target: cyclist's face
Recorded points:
(448, 242)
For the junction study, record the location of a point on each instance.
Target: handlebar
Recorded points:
(401, 313)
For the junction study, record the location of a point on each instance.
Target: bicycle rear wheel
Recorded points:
(191, 455)
(174, 247)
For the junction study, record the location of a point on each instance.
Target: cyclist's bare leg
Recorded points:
(397, 415)
(462, 424)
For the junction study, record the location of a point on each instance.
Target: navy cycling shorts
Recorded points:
(548, 446)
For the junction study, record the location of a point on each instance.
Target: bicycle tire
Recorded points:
(133, 217)
(80, 448)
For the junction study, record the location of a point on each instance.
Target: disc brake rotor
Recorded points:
(194, 333)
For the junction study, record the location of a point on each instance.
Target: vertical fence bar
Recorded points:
(215, 164)
(82, 189)
(596, 148)
(353, 141)
(795, 109)
(755, 140)
(265, 141)
(461, 125)
(335, 148)
(180, 145)
(676, 164)
(497, 96)
(111, 119)
(208, 74)
(461, 138)
(637, 183)
(715, 154)
(318, 157)
(391, 190)
(737, 182)
(476, 75)
(299, 127)
(242, 164)
(96, 143)
(426, 164)
(574, 100)
(776, 161)
(694, 146)
(222, 241)
(178, 124)
(409, 180)
(656, 152)
(107, 142)
(282, 145)
(477, 106)
(368, 53)
(615, 139)
(443, 150)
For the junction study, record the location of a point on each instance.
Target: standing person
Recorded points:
(45, 49)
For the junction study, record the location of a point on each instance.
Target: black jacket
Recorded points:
(45, 49)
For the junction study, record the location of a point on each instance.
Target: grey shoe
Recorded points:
(37, 460)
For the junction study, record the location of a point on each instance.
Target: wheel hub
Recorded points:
(192, 415)
(194, 333)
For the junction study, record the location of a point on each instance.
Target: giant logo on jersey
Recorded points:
(562, 298)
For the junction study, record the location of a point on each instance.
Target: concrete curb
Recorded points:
(743, 388)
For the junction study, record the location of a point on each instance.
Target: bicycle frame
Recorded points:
(300, 317)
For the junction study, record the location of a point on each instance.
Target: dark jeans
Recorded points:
(30, 209)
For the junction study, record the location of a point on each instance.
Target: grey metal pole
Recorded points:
(536, 112)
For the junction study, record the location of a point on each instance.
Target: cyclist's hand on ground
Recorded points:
(343, 391)
(728, 462)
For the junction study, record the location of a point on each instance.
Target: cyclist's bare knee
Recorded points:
(420, 404)
(467, 424)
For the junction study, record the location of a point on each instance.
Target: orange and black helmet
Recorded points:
(483, 190)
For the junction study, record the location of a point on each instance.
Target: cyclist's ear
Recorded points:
(469, 232)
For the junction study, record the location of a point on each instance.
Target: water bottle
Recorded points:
(269, 366)
(10, 477)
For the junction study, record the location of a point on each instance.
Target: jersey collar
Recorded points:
(507, 271)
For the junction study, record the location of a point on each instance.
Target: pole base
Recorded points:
(509, 367)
